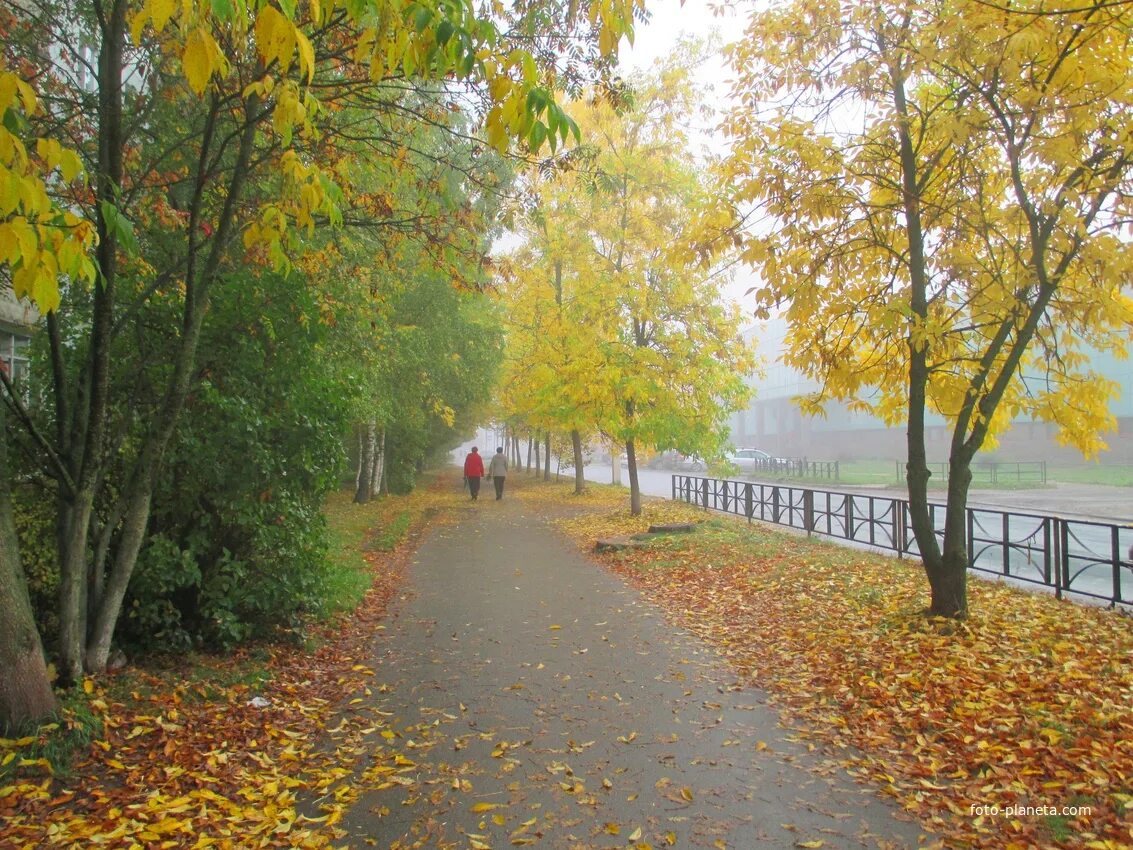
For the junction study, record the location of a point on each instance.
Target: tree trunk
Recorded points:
(634, 487)
(379, 467)
(946, 570)
(531, 452)
(198, 282)
(89, 425)
(948, 580)
(74, 519)
(547, 459)
(383, 485)
(579, 476)
(366, 463)
(538, 456)
(358, 467)
(615, 465)
(25, 689)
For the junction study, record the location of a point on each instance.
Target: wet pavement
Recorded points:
(525, 696)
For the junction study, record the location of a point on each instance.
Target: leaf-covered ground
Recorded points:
(1027, 703)
(214, 752)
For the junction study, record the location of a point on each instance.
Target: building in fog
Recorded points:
(773, 422)
(16, 320)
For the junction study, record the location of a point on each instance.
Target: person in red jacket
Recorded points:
(473, 472)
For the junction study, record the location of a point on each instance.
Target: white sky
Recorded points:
(670, 21)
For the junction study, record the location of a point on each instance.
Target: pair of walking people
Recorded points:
(474, 471)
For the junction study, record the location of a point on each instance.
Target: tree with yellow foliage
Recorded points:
(649, 353)
(936, 193)
(552, 334)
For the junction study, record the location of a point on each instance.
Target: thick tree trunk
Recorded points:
(368, 447)
(547, 459)
(948, 578)
(25, 689)
(531, 452)
(634, 486)
(579, 477)
(74, 519)
(948, 581)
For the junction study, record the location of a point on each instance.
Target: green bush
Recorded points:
(237, 545)
(34, 514)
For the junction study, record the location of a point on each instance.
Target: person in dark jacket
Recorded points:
(473, 472)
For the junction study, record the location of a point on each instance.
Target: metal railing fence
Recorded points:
(990, 472)
(1073, 556)
(797, 467)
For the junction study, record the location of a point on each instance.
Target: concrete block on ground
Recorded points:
(616, 544)
(673, 528)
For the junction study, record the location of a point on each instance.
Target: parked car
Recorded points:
(674, 460)
(749, 459)
(689, 463)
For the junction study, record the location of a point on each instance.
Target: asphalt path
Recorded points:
(528, 696)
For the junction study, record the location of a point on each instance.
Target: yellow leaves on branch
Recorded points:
(306, 193)
(279, 40)
(39, 241)
(157, 12)
(201, 58)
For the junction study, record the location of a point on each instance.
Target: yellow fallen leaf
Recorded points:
(18, 742)
(818, 842)
(485, 807)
